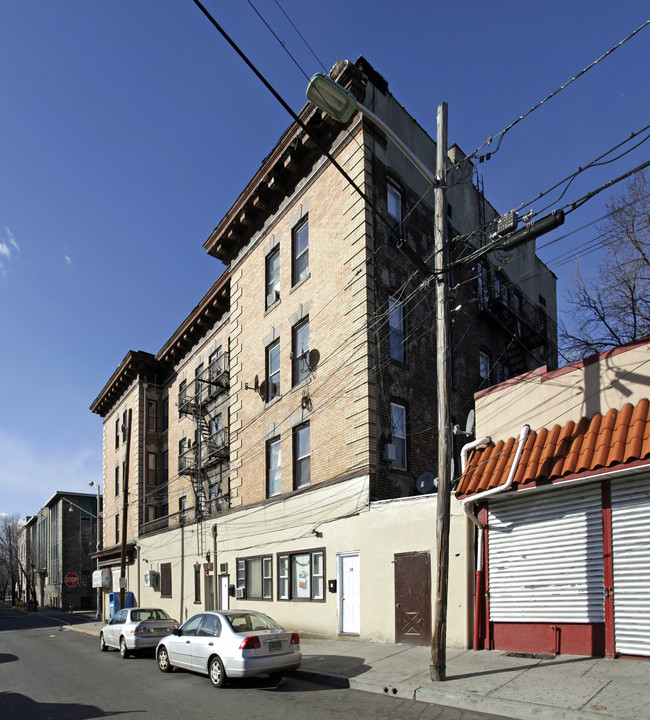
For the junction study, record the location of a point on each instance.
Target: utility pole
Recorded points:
(443, 365)
(125, 509)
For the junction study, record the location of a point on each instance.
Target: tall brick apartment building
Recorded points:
(284, 425)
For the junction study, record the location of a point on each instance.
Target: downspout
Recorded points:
(480, 572)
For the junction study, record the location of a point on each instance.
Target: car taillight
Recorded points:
(295, 639)
(137, 630)
(250, 643)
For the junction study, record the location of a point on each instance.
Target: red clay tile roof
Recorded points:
(618, 437)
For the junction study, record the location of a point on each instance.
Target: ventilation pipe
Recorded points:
(480, 572)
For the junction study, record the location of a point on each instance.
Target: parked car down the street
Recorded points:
(230, 644)
(133, 629)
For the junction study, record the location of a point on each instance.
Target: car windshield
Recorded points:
(247, 622)
(144, 614)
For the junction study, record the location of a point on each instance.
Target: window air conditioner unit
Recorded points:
(240, 592)
(272, 297)
(151, 578)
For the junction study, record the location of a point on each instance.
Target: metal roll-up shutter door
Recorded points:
(631, 558)
(545, 554)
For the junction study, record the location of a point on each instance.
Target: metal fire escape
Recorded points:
(206, 460)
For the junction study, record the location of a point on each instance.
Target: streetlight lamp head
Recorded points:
(330, 97)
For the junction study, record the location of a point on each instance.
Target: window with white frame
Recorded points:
(301, 456)
(152, 468)
(273, 465)
(256, 575)
(273, 371)
(396, 329)
(216, 430)
(300, 252)
(199, 384)
(272, 277)
(394, 204)
(398, 432)
(301, 575)
(300, 351)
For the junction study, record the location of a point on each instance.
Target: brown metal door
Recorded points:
(413, 598)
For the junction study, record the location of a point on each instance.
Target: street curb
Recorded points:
(82, 629)
(337, 681)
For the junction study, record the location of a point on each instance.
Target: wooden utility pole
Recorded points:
(439, 637)
(125, 510)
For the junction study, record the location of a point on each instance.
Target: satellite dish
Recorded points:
(426, 483)
(261, 389)
(469, 424)
(313, 358)
(256, 387)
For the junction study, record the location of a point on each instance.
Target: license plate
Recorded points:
(275, 645)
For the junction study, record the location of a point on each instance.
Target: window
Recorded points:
(215, 368)
(165, 466)
(273, 370)
(394, 205)
(300, 352)
(165, 414)
(117, 528)
(152, 461)
(301, 576)
(273, 466)
(166, 580)
(256, 575)
(117, 433)
(152, 410)
(197, 587)
(398, 431)
(502, 371)
(273, 277)
(301, 457)
(182, 453)
(216, 430)
(300, 252)
(483, 290)
(117, 480)
(396, 329)
(182, 507)
(199, 385)
(484, 363)
(182, 396)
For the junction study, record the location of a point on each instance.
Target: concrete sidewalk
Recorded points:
(565, 687)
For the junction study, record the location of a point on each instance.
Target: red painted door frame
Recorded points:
(608, 570)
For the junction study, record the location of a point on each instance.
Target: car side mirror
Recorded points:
(177, 631)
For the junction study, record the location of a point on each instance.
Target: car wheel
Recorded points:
(102, 643)
(124, 650)
(217, 672)
(162, 658)
(275, 677)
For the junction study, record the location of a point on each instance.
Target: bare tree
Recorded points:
(614, 307)
(10, 575)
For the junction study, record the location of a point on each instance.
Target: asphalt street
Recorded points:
(50, 672)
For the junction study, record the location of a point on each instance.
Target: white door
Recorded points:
(224, 598)
(349, 593)
(631, 557)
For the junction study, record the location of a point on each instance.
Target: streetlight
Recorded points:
(340, 104)
(92, 483)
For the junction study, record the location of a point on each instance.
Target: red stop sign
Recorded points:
(71, 580)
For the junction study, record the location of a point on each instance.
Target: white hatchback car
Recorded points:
(230, 644)
(134, 629)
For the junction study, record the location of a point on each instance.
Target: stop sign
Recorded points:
(71, 580)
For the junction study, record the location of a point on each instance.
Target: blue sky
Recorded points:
(127, 129)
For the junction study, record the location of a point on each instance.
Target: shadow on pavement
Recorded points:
(15, 705)
(6, 657)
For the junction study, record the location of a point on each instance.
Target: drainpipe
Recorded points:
(480, 572)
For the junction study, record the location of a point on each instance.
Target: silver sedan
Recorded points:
(133, 629)
(230, 644)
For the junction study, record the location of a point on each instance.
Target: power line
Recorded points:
(503, 132)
